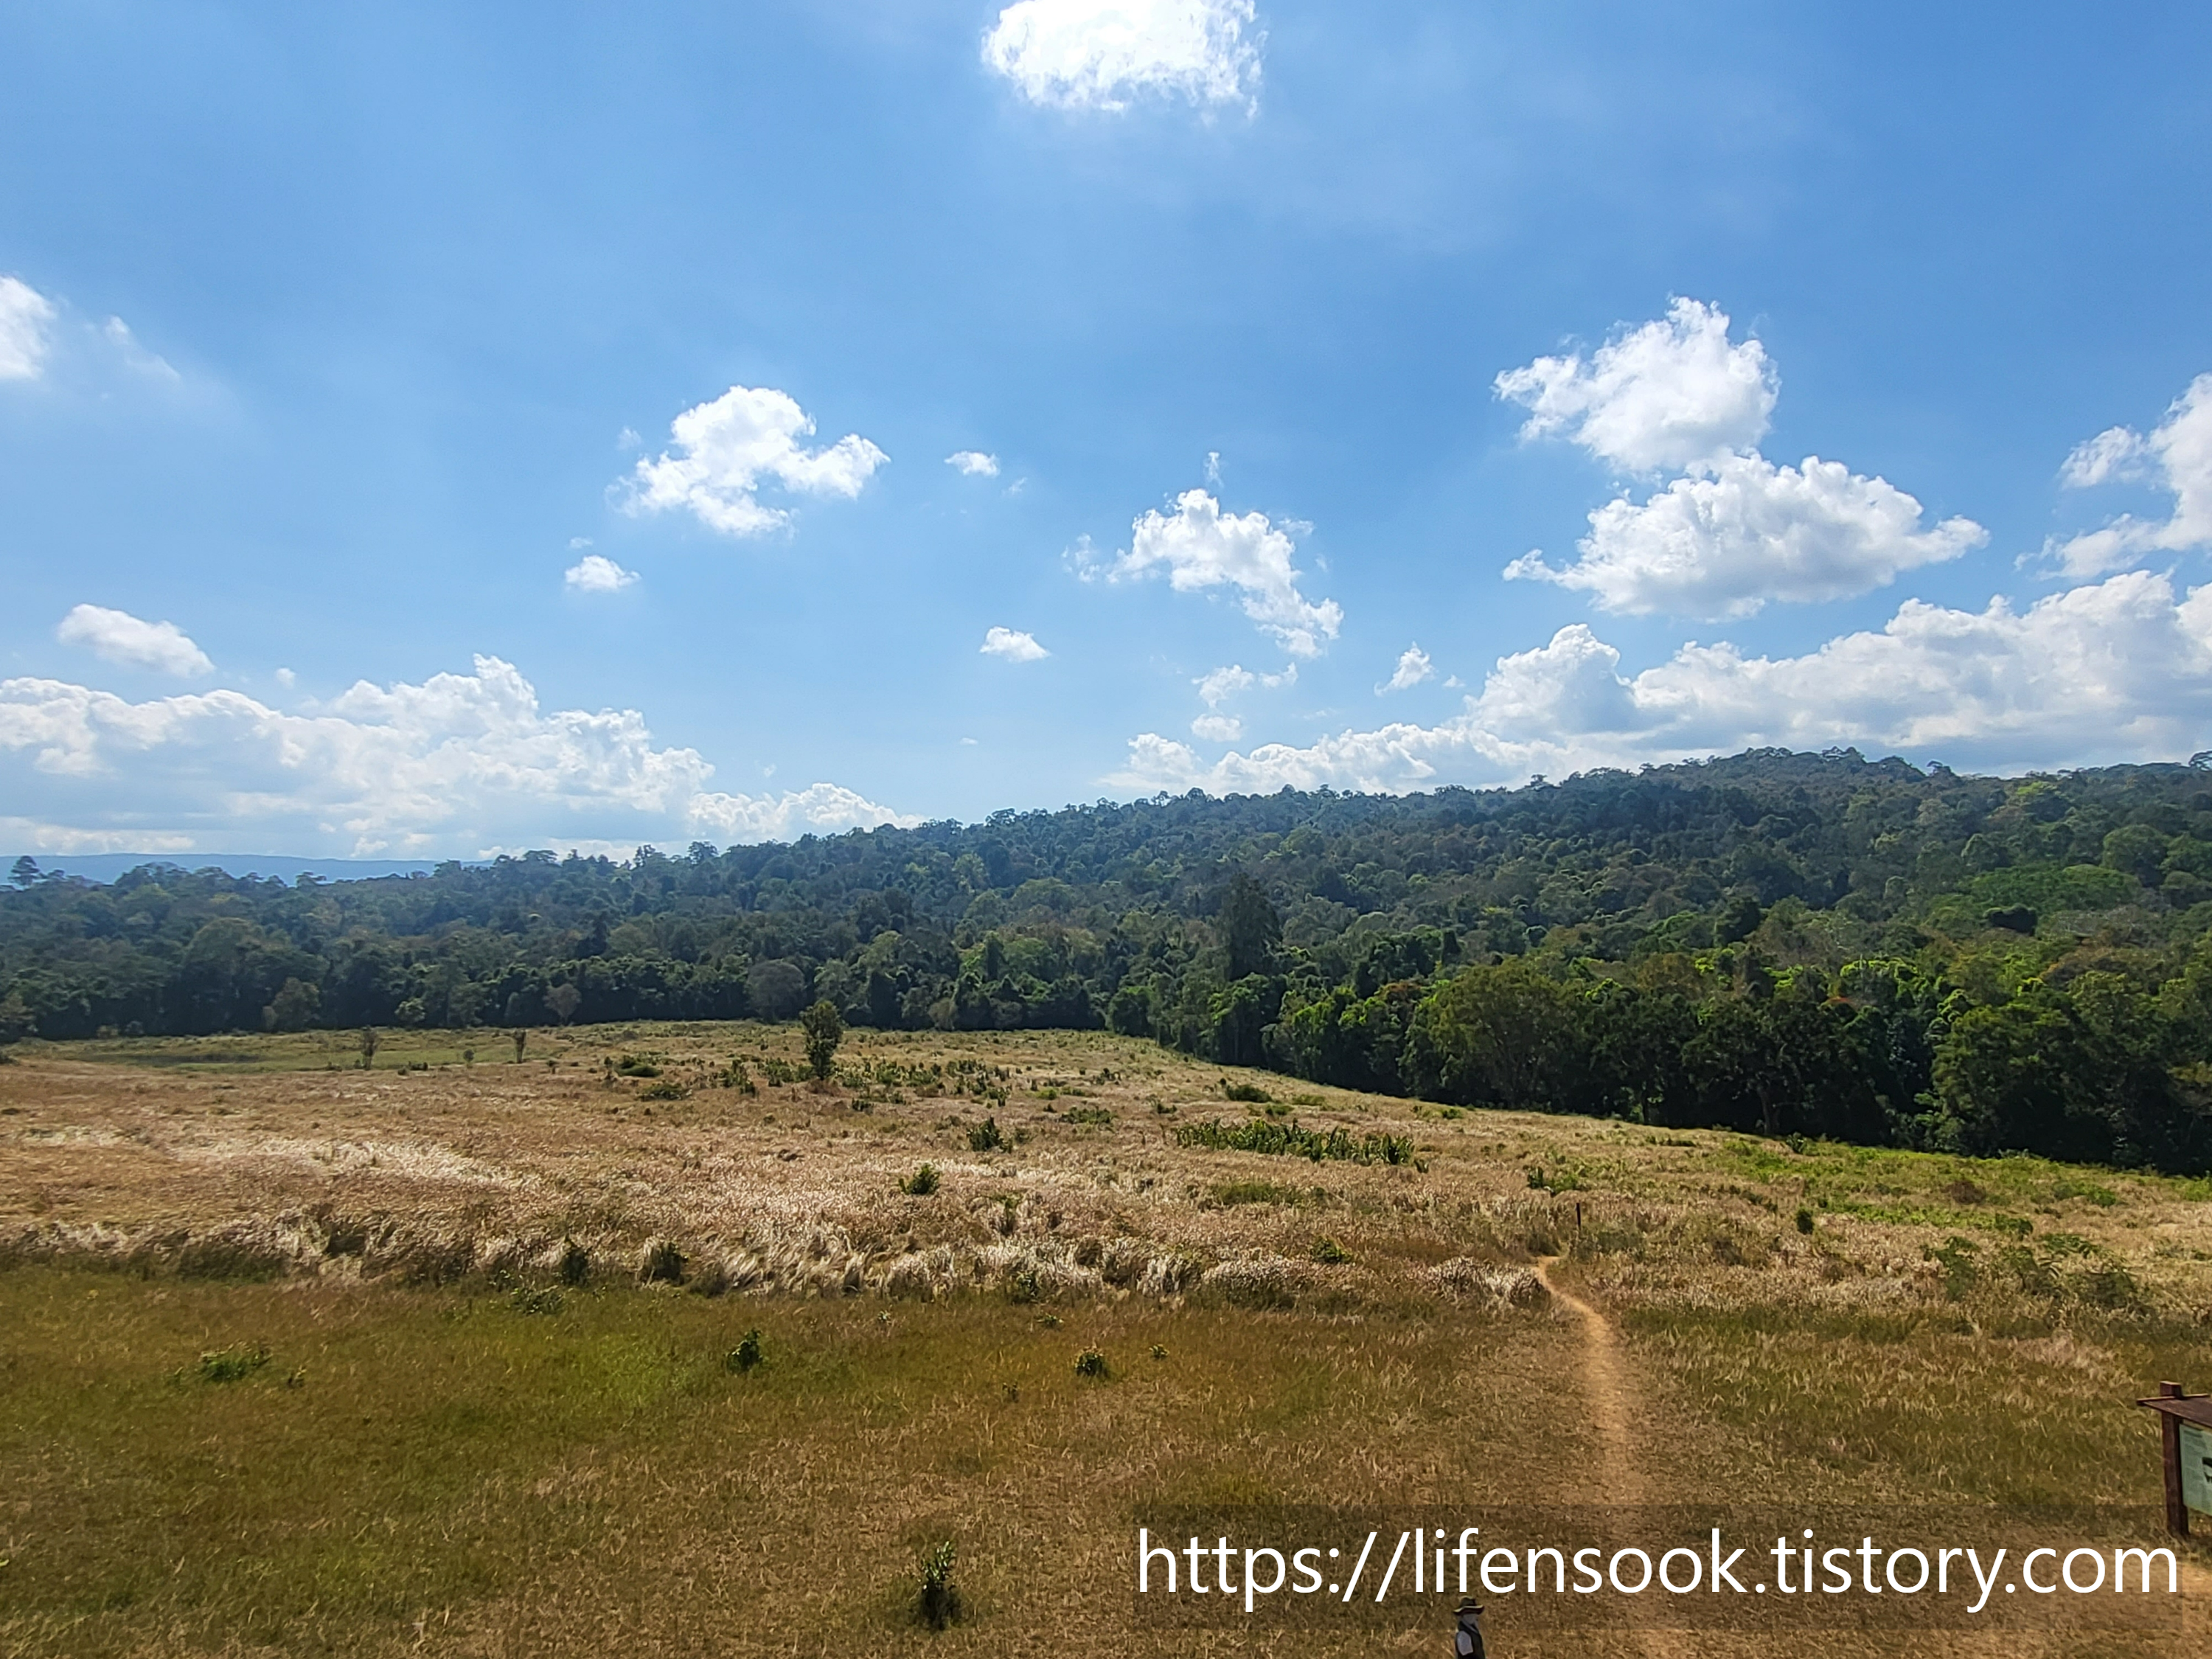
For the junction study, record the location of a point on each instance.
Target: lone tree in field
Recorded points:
(521, 1036)
(824, 1031)
(368, 1047)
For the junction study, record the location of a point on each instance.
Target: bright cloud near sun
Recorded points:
(1013, 645)
(2119, 670)
(455, 764)
(1736, 531)
(24, 314)
(1100, 54)
(721, 452)
(119, 637)
(595, 572)
(1199, 547)
(2176, 456)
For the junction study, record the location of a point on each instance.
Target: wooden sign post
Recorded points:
(2185, 1423)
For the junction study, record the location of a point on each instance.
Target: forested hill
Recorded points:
(1813, 944)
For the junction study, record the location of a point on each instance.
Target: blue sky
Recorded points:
(334, 339)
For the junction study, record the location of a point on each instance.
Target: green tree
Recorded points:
(295, 1006)
(1250, 929)
(1502, 1034)
(824, 1031)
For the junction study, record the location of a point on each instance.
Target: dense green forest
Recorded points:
(1788, 944)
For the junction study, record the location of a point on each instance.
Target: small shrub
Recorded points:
(575, 1263)
(940, 1596)
(1252, 1093)
(545, 1300)
(1023, 1284)
(1804, 1219)
(987, 1137)
(747, 1354)
(1090, 1363)
(637, 1065)
(922, 1182)
(663, 1263)
(1160, 1351)
(1329, 1253)
(232, 1364)
(1094, 1115)
(666, 1089)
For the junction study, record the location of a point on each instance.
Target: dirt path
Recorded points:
(1613, 1411)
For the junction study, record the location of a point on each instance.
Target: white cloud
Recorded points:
(1413, 667)
(119, 335)
(820, 808)
(1215, 688)
(722, 452)
(1724, 543)
(1217, 728)
(1735, 530)
(122, 638)
(24, 314)
(457, 763)
(2176, 456)
(2117, 671)
(1013, 645)
(1201, 547)
(973, 464)
(1668, 395)
(287, 678)
(597, 573)
(1099, 54)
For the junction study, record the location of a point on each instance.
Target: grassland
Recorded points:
(298, 1356)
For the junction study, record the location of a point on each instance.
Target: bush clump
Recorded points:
(1090, 1363)
(987, 1137)
(940, 1596)
(232, 1365)
(747, 1354)
(1264, 1135)
(922, 1182)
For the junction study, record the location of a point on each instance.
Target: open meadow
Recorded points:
(639, 1342)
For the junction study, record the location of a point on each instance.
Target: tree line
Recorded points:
(1777, 942)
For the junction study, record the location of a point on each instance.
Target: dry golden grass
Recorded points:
(453, 1472)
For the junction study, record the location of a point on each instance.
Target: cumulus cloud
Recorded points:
(597, 573)
(1734, 530)
(122, 638)
(721, 452)
(1013, 645)
(1099, 54)
(1723, 543)
(973, 464)
(1201, 547)
(1217, 686)
(24, 314)
(2176, 456)
(1217, 728)
(1413, 667)
(2116, 671)
(1668, 395)
(820, 808)
(456, 764)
